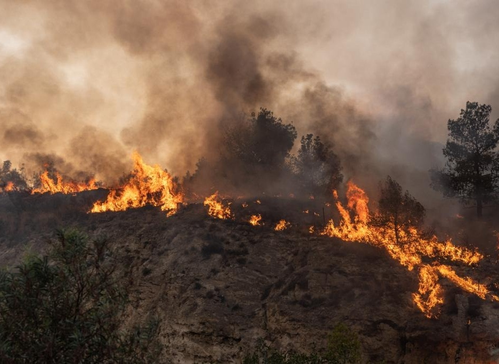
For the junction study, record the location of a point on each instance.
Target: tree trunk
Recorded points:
(479, 207)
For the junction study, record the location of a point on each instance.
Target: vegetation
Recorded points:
(68, 307)
(472, 169)
(343, 347)
(255, 157)
(317, 167)
(398, 210)
(9, 175)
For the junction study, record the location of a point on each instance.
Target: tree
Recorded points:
(472, 168)
(264, 140)
(317, 167)
(254, 151)
(11, 179)
(398, 211)
(68, 307)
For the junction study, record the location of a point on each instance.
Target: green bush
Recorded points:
(68, 307)
(343, 347)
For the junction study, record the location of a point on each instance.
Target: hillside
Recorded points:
(219, 285)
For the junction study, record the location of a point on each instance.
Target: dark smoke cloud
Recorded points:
(377, 79)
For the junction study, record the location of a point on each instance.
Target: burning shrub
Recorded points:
(68, 307)
(399, 211)
(11, 179)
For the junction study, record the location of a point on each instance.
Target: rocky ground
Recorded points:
(218, 286)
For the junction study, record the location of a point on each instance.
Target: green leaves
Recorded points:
(68, 307)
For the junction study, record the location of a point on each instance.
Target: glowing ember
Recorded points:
(244, 205)
(282, 225)
(355, 226)
(255, 220)
(148, 185)
(56, 185)
(216, 207)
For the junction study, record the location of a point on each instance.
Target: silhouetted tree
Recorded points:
(68, 307)
(254, 151)
(14, 176)
(265, 140)
(472, 168)
(398, 211)
(317, 167)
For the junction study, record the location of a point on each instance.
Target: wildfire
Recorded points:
(408, 247)
(255, 220)
(9, 186)
(216, 207)
(148, 185)
(282, 225)
(56, 185)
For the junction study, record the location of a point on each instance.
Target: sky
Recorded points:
(87, 82)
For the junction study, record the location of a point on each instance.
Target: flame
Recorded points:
(255, 220)
(148, 185)
(258, 202)
(216, 208)
(58, 185)
(9, 187)
(355, 226)
(282, 225)
(244, 205)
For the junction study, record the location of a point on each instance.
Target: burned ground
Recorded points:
(219, 285)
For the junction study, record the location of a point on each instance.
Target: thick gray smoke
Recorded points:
(90, 81)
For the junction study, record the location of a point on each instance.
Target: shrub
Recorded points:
(68, 307)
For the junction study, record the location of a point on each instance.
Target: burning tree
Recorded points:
(11, 179)
(317, 167)
(398, 210)
(472, 169)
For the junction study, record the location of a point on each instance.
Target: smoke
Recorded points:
(89, 82)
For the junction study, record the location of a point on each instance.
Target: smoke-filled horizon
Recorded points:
(86, 83)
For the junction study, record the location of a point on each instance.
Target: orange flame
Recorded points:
(255, 220)
(58, 185)
(9, 187)
(148, 185)
(355, 226)
(282, 225)
(216, 208)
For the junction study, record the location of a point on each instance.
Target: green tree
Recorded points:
(68, 307)
(398, 211)
(472, 168)
(317, 167)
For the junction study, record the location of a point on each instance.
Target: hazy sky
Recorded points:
(89, 81)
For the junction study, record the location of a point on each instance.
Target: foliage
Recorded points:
(68, 307)
(472, 168)
(265, 140)
(398, 210)
(317, 167)
(343, 347)
(13, 176)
